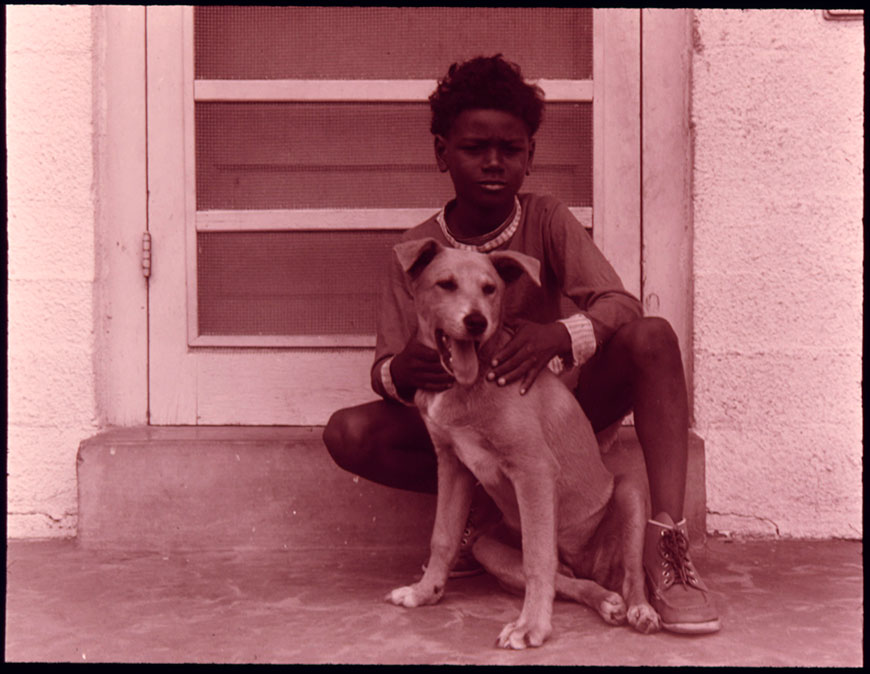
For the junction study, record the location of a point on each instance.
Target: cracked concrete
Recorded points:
(65, 523)
(49, 516)
(782, 603)
(717, 521)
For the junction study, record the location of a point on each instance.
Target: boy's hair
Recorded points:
(485, 82)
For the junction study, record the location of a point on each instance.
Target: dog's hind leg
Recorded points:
(631, 508)
(506, 564)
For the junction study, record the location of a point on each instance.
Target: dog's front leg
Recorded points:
(455, 487)
(536, 499)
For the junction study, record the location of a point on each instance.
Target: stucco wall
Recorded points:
(51, 263)
(778, 193)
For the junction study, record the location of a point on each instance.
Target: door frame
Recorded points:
(121, 218)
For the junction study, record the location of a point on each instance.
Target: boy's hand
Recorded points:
(529, 351)
(418, 367)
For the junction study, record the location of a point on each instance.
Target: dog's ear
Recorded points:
(415, 255)
(510, 265)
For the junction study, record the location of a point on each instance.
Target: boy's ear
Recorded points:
(415, 255)
(510, 265)
(440, 150)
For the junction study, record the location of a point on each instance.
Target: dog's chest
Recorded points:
(456, 425)
(454, 408)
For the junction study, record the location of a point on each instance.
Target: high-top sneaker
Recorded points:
(676, 590)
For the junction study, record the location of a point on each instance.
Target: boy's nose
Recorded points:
(475, 323)
(492, 159)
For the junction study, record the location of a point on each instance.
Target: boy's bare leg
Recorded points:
(384, 442)
(640, 368)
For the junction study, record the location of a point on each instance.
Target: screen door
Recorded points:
(289, 149)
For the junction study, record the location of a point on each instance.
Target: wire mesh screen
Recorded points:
(359, 155)
(247, 42)
(290, 283)
(255, 155)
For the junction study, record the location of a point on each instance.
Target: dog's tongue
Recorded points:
(464, 361)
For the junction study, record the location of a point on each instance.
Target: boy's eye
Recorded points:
(448, 284)
(488, 289)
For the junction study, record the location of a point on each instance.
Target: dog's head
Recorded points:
(458, 297)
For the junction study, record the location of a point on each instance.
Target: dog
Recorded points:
(536, 455)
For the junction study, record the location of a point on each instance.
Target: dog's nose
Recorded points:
(475, 323)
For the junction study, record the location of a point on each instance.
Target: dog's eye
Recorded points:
(488, 289)
(449, 284)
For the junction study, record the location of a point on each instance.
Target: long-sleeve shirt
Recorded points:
(571, 265)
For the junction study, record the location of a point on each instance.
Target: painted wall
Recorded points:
(49, 63)
(778, 204)
(778, 184)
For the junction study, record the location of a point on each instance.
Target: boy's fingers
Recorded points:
(527, 370)
(440, 383)
(436, 387)
(508, 366)
(437, 375)
(530, 378)
(507, 352)
(434, 382)
(510, 372)
(429, 357)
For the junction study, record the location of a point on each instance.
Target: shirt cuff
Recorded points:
(583, 343)
(389, 385)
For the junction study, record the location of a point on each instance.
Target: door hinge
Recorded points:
(146, 254)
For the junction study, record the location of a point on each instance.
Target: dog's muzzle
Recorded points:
(459, 356)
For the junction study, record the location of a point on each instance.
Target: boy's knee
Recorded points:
(332, 432)
(342, 439)
(652, 340)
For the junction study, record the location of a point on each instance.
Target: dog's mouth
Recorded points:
(458, 357)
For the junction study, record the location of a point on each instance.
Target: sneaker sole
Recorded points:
(693, 628)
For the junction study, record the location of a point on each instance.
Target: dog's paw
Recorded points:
(644, 618)
(519, 634)
(412, 596)
(612, 609)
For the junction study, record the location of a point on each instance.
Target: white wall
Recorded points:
(778, 198)
(49, 61)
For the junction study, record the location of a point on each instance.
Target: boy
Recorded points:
(484, 118)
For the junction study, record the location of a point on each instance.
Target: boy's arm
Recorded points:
(591, 282)
(395, 326)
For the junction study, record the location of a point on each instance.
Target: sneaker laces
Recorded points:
(674, 550)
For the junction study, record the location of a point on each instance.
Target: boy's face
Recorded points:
(488, 154)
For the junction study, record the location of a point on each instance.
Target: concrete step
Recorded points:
(173, 488)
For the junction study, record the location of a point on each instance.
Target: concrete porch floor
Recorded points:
(782, 603)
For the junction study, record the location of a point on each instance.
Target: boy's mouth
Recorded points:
(458, 357)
